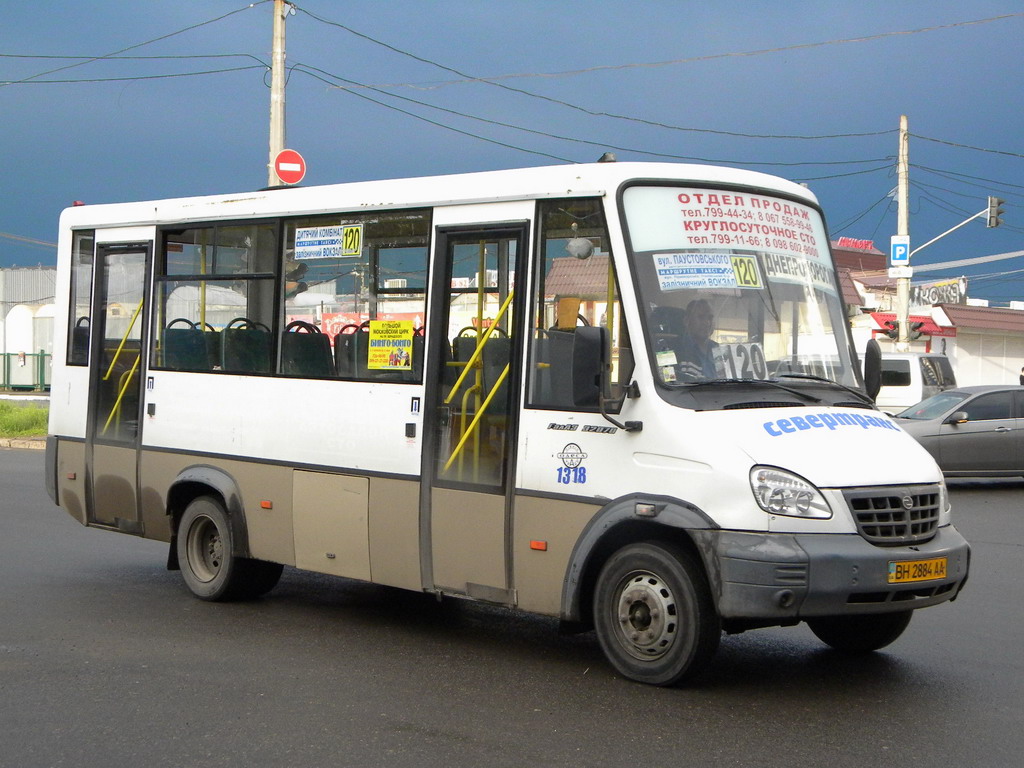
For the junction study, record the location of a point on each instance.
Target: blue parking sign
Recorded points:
(899, 250)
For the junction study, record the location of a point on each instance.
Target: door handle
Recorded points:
(1001, 429)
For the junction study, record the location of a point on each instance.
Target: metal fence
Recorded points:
(25, 371)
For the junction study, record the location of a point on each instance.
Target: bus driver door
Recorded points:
(115, 384)
(469, 462)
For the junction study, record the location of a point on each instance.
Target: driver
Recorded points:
(696, 352)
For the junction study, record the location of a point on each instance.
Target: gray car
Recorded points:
(971, 431)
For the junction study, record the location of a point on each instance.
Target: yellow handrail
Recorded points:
(477, 417)
(126, 380)
(479, 348)
(124, 340)
(474, 392)
(474, 363)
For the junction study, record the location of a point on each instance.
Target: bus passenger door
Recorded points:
(470, 420)
(115, 384)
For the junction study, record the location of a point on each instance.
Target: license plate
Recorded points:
(904, 571)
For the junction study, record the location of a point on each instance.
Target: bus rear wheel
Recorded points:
(860, 633)
(211, 570)
(654, 615)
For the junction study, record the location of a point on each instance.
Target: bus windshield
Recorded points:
(735, 286)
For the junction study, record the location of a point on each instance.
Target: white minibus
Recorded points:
(620, 394)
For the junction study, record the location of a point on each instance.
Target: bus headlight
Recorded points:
(782, 493)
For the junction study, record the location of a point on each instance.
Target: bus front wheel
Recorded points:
(654, 615)
(206, 556)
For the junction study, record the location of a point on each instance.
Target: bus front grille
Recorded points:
(893, 516)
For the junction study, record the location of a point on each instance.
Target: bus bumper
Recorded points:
(783, 578)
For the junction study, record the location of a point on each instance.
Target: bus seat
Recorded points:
(361, 350)
(246, 347)
(344, 351)
(416, 374)
(213, 346)
(184, 347)
(496, 355)
(306, 352)
(80, 342)
(493, 359)
(463, 347)
(553, 370)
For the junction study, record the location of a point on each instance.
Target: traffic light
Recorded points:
(995, 211)
(915, 331)
(892, 329)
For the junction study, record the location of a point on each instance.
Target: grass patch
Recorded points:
(23, 420)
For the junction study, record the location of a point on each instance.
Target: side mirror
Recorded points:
(589, 352)
(957, 417)
(591, 373)
(872, 368)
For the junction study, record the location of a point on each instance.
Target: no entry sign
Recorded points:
(289, 166)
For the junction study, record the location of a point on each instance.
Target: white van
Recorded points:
(910, 377)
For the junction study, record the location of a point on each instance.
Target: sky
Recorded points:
(120, 100)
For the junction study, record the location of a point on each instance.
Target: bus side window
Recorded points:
(81, 297)
(214, 298)
(576, 286)
(343, 271)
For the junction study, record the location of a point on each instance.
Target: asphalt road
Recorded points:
(106, 660)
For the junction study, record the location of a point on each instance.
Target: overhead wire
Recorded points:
(143, 77)
(576, 107)
(133, 47)
(939, 203)
(442, 125)
(850, 222)
(687, 60)
(350, 84)
(27, 240)
(994, 275)
(87, 59)
(842, 175)
(881, 218)
(353, 87)
(919, 183)
(968, 146)
(951, 208)
(951, 176)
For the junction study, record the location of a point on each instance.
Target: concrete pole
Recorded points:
(903, 228)
(277, 77)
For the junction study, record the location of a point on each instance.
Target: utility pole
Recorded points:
(903, 228)
(277, 77)
(993, 212)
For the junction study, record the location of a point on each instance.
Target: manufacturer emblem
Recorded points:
(572, 455)
(908, 502)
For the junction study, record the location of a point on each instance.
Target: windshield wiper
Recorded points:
(763, 382)
(812, 377)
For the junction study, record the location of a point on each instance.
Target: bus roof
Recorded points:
(455, 189)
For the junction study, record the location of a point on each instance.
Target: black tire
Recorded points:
(206, 556)
(860, 633)
(654, 615)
